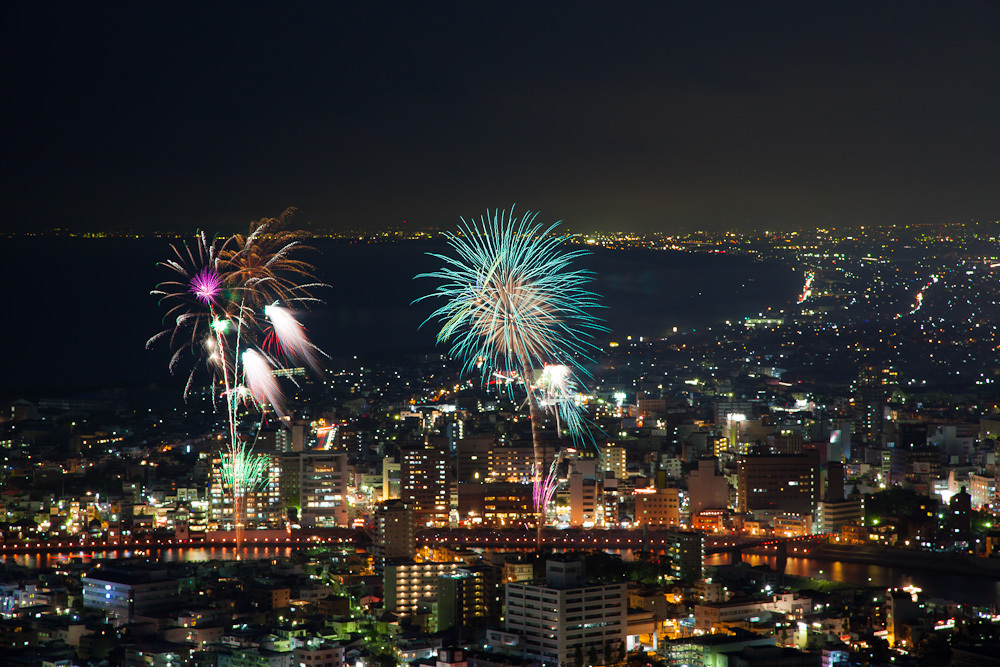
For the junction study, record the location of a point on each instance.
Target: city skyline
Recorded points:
(655, 118)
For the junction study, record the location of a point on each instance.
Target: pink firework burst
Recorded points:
(206, 286)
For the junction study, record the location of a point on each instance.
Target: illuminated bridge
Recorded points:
(639, 540)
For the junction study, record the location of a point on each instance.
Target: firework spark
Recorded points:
(206, 286)
(187, 318)
(545, 491)
(291, 336)
(243, 473)
(558, 390)
(261, 382)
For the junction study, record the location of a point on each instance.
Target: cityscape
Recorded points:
(816, 483)
(658, 334)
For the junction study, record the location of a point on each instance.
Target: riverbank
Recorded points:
(908, 558)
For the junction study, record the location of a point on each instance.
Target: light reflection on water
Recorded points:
(977, 590)
(186, 555)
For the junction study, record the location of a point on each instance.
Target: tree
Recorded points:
(578, 656)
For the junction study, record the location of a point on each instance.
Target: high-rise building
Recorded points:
(466, 597)
(390, 478)
(395, 534)
(584, 497)
(685, 549)
(707, 489)
(614, 460)
(323, 479)
(784, 482)
(960, 517)
(514, 462)
(556, 617)
(425, 484)
(498, 504)
(874, 387)
(411, 588)
(472, 457)
(263, 507)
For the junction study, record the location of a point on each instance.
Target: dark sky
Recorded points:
(656, 115)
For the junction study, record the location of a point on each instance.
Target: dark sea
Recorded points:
(79, 310)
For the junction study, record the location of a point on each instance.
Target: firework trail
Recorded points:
(544, 492)
(513, 304)
(260, 381)
(219, 303)
(290, 337)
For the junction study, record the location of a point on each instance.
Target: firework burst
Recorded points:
(218, 303)
(512, 304)
(263, 267)
(242, 473)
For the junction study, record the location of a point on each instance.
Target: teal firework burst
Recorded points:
(512, 302)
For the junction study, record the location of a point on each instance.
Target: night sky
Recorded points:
(165, 116)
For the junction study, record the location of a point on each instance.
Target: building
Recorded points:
(511, 462)
(707, 650)
(323, 478)
(960, 517)
(126, 592)
(585, 496)
(157, 654)
(707, 489)
(411, 588)
(685, 549)
(390, 479)
(874, 387)
(555, 618)
(318, 653)
(466, 597)
(657, 508)
(982, 489)
(783, 482)
(835, 514)
(472, 458)
(395, 534)
(263, 507)
(498, 504)
(425, 484)
(718, 616)
(614, 460)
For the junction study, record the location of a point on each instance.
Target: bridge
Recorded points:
(251, 539)
(637, 540)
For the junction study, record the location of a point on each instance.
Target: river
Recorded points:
(178, 555)
(976, 590)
